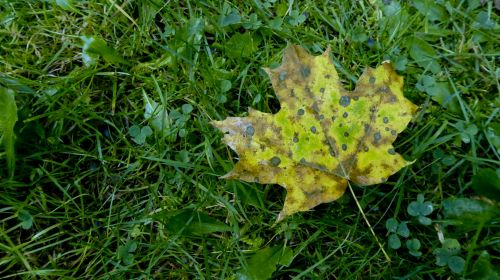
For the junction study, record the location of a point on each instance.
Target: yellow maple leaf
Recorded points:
(323, 135)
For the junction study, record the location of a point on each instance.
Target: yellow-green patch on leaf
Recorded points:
(323, 135)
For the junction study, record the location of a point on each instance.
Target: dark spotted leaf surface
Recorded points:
(323, 135)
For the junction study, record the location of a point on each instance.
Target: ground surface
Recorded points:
(99, 193)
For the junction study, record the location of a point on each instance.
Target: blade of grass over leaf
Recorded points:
(8, 119)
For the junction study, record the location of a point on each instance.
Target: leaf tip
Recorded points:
(214, 123)
(281, 216)
(327, 51)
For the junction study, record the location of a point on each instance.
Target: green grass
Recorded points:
(89, 200)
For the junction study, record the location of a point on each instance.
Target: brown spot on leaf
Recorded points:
(308, 91)
(315, 107)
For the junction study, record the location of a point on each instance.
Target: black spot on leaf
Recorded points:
(345, 115)
(283, 75)
(300, 112)
(345, 101)
(305, 71)
(383, 89)
(344, 147)
(275, 161)
(249, 130)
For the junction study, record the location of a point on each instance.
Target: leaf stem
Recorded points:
(368, 223)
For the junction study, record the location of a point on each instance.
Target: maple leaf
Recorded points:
(323, 135)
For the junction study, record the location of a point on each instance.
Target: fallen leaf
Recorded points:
(323, 135)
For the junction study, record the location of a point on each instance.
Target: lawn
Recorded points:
(111, 168)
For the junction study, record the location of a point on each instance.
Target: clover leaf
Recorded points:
(467, 131)
(397, 229)
(413, 246)
(447, 255)
(296, 18)
(26, 219)
(421, 209)
(139, 134)
(253, 22)
(125, 252)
